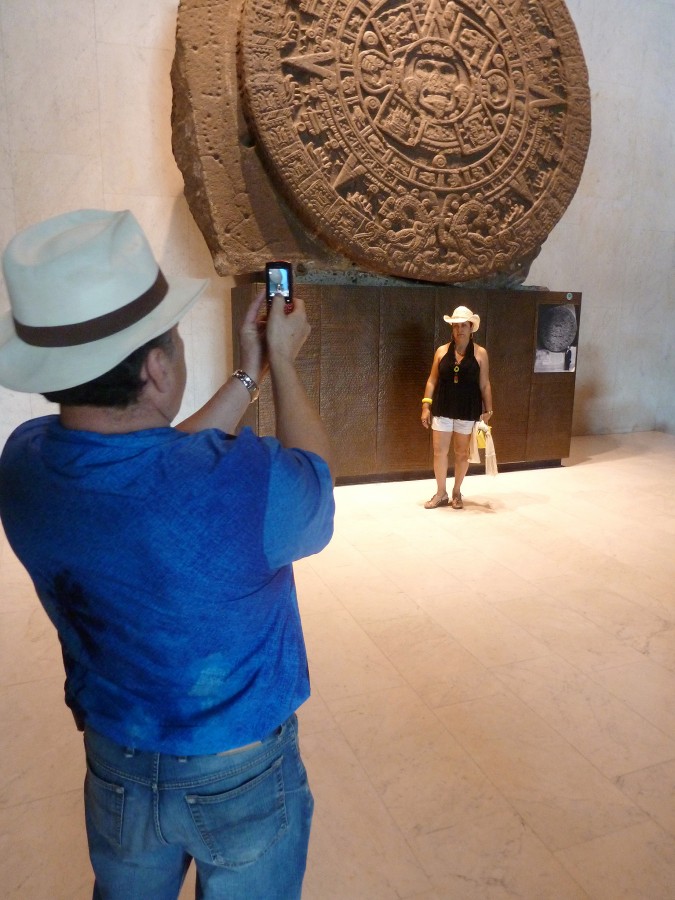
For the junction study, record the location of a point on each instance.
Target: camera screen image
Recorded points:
(278, 281)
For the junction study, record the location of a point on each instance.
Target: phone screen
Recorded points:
(278, 283)
(279, 280)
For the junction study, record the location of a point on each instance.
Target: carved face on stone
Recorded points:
(435, 81)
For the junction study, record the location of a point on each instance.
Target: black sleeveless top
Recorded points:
(462, 400)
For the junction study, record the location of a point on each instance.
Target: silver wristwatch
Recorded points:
(248, 383)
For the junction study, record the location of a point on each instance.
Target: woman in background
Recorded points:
(458, 390)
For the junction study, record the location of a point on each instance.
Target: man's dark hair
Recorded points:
(120, 387)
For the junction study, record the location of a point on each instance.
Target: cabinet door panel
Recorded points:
(406, 354)
(349, 376)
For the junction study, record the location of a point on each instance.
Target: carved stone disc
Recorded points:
(425, 139)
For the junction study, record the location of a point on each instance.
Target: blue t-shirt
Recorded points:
(164, 561)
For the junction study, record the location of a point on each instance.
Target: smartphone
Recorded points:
(279, 280)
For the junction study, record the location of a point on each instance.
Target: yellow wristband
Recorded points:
(427, 400)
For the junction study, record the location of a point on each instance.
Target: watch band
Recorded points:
(248, 383)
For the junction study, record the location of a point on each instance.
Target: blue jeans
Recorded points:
(244, 816)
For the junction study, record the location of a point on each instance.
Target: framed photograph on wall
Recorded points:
(557, 337)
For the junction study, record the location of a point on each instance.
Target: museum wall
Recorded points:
(85, 104)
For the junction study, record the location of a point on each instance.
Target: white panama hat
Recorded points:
(85, 291)
(463, 314)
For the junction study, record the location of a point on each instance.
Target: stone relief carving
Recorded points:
(426, 139)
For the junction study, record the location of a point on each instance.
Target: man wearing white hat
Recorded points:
(163, 557)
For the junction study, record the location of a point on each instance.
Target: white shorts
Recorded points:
(461, 426)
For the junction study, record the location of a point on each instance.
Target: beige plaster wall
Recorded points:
(85, 105)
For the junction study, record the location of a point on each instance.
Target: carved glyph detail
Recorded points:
(428, 139)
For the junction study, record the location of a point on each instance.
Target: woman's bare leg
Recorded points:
(460, 444)
(441, 442)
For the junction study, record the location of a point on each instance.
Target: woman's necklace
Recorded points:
(458, 360)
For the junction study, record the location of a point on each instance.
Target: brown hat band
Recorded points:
(100, 327)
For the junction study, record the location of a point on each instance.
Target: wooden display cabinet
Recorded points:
(368, 357)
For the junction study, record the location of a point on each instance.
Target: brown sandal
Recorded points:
(437, 501)
(457, 501)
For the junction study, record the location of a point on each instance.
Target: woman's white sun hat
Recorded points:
(463, 314)
(85, 291)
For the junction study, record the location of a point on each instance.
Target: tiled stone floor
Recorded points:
(493, 712)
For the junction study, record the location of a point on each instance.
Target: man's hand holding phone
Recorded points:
(286, 331)
(297, 420)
